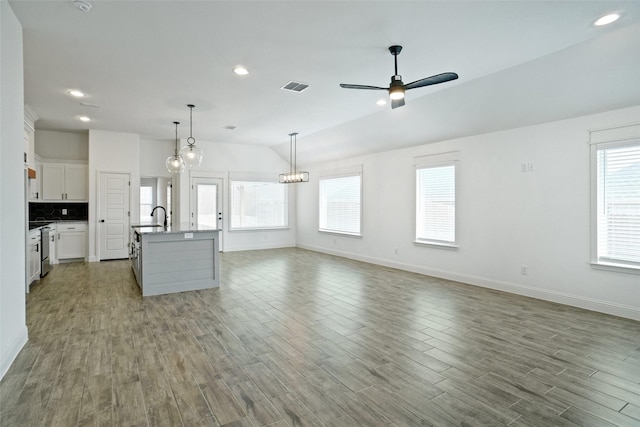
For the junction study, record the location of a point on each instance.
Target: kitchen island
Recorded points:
(175, 259)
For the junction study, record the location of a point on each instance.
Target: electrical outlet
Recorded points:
(395, 251)
(64, 212)
(524, 270)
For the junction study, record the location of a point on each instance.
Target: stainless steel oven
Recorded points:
(45, 241)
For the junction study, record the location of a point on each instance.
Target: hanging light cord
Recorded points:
(176, 123)
(191, 140)
(292, 152)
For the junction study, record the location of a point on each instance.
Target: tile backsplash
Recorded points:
(53, 211)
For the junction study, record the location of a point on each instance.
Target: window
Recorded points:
(436, 199)
(147, 199)
(617, 203)
(258, 204)
(340, 203)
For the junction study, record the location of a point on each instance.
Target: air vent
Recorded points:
(295, 86)
(230, 127)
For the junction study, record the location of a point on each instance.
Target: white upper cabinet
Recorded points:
(64, 182)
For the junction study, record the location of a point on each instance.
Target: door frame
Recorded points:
(223, 177)
(98, 228)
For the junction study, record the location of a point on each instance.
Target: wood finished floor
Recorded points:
(297, 338)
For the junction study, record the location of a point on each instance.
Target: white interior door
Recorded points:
(206, 203)
(113, 219)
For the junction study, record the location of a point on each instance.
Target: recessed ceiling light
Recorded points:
(84, 119)
(607, 19)
(381, 102)
(76, 93)
(240, 70)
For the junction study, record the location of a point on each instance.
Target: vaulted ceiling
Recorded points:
(141, 62)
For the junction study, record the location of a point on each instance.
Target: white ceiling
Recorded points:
(519, 62)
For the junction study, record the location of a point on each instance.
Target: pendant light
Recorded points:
(174, 163)
(190, 153)
(294, 175)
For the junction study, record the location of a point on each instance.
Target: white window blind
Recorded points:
(618, 203)
(258, 204)
(436, 203)
(340, 204)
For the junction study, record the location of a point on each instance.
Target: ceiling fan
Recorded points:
(397, 89)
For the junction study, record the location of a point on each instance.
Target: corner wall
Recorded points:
(114, 152)
(506, 218)
(13, 327)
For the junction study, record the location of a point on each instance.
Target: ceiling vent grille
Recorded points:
(294, 86)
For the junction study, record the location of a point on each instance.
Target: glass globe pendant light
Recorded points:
(190, 153)
(174, 163)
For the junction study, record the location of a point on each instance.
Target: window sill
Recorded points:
(620, 268)
(340, 233)
(231, 230)
(448, 246)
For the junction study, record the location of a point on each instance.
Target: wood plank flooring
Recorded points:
(297, 338)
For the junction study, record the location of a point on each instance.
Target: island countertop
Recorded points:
(183, 227)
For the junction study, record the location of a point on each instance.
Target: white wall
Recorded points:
(13, 328)
(153, 154)
(113, 152)
(221, 159)
(61, 145)
(506, 218)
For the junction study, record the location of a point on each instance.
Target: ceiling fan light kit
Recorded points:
(397, 88)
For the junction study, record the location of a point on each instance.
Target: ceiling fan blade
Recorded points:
(348, 86)
(433, 80)
(395, 103)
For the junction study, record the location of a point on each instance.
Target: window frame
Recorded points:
(595, 260)
(337, 174)
(433, 161)
(152, 184)
(251, 178)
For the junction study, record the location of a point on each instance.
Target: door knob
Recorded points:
(102, 220)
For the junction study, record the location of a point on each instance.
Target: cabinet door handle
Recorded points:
(37, 196)
(71, 228)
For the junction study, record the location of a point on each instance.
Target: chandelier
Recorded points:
(294, 175)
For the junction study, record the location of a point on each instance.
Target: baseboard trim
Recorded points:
(12, 351)
(600, 306)
(259, 247)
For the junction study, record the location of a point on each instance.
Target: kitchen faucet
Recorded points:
(165, 214)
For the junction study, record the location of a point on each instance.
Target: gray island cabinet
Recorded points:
(175, 259)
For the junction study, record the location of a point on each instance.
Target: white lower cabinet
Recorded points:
(33, 251)
(71, 240)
